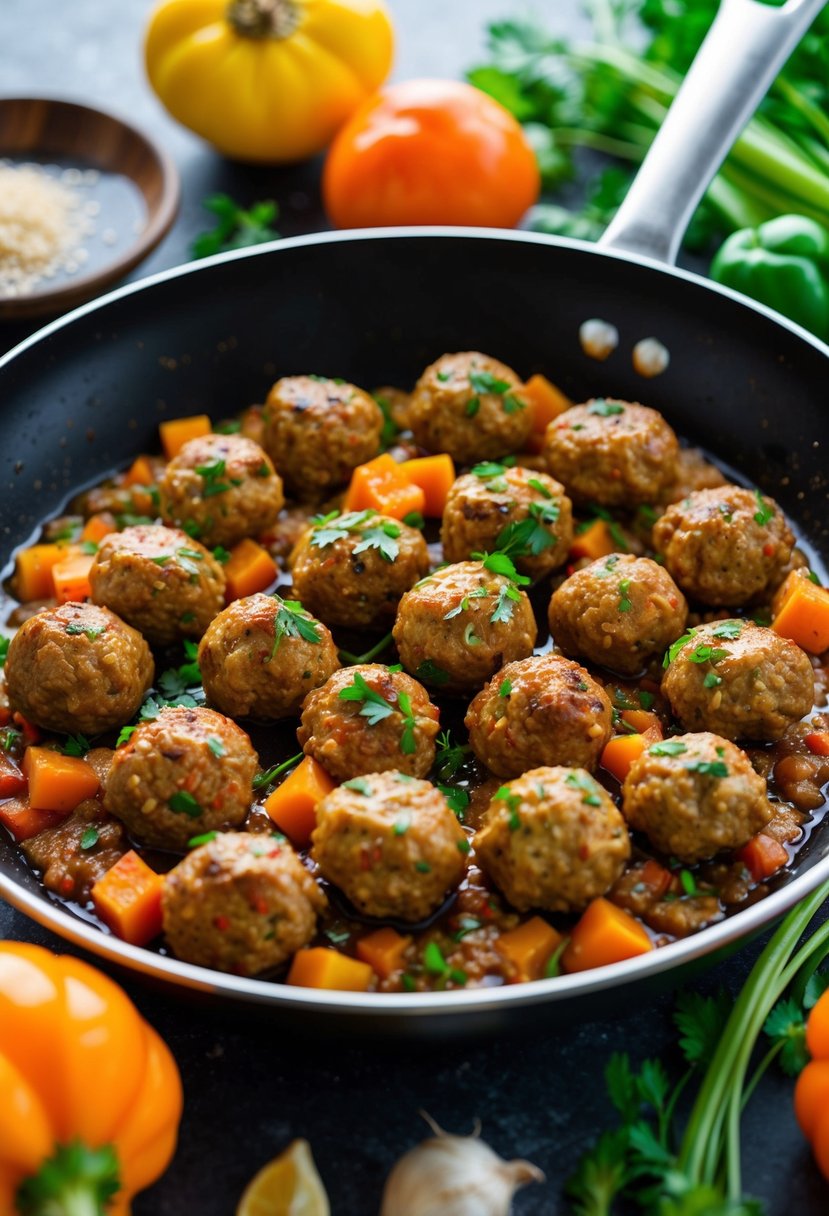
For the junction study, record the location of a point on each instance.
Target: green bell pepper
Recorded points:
(785, 264)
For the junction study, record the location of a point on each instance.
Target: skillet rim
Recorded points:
(742, 925)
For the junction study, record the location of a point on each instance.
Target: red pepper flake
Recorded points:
(221, 923)
(274, 852)
(67, 885)
(768, 549)
(260, 905)
(365, 860)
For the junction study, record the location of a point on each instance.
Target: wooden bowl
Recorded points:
(47, 130)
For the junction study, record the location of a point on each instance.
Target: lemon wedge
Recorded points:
(287, 1186)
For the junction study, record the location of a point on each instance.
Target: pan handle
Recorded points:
(744, 49)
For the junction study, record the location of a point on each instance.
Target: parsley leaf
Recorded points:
(382, 538)
(667, 747)
(765, 512)
(76, 745)
(512, 801)
(456, 799)
(605, 409)
(708, 768)
(211, 475)
(236, 228)
(786, 1025)
(450, 756)
(589, 788)
(707, 654)
(183, 803)
(625, 603)
(375, 709)
(359, 785)
(292, 621)
(428, 670)
(4, 650)
(727, 629)
(508, 596)
(89, 838)
(675, 647)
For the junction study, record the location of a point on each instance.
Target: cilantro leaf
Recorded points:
(76, 745)
(292, 621)
(786, 1025)
(675, 647)
(699, 1020)
(375, 709)
(449, 756)
(382, 538)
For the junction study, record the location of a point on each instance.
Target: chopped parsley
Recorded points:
(675, 647)
(4, 650)
(539, 487)
(443, 376)
(182, 685)
(712, 680)
(765, 512)
(457, 800)
(90, 838)
(423, 867)
(91, 631)
(390, 429)
(383, 536)
(211, 475)
(76, 745)
(505, 689)
(184, 803)
(485, 382)
(221, 555)
(375, 708)
(667, 747)
(493, 474)
(450, 756)
(359, 785)
(512, 801)
(707, 654)
(604, 409)
(414, 520)
(292, 621)
(625, 604)
(262, 780)
(216, 746)
(401, 825)
(689, 883)
(708, 768)
(472, 407)
(507, 597)
(588, 787)
(205, 838)
(727, 629)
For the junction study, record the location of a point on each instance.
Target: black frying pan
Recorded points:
(83, 395)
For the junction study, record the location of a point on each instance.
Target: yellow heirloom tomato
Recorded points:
(267, 80)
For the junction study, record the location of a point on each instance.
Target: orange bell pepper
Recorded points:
(547, 402)
(604, 934)
(595, 541)
(324, 968)
(99, 526)
(804, 616)
(293, 804)
(128, 900)
(381, 485)
(435, 475)
(80, 1070)
(71, 577)
(249, 569)
(178, 431)
(140, 472)
(33, 571)
(620, 752)
(529, 946)
(383, 950)
(58, 782)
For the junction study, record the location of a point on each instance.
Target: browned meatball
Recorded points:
(241, 903)
(369, 719)
(542, 710)
(391, 844)
(160, 580)
(739, 680)
(77, 668)
(470, 406)
(553, 839)
(619, 611)
(457, 627)
(352, 569)
(493, 497)
(186, 772)
(261, 655)
(318, 431)
(612, 452)
(724, 546)
(221, 488)
(694, 795)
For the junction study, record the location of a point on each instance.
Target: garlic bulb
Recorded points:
(454, 1176)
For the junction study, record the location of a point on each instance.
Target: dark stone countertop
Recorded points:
(251, 1083)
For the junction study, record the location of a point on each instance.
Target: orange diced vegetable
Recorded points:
(529, 946)
(817, 1028)
(435, 475)
(620, 753)
(249, 569)
(762, 856)
(380, 485)
(293, 804)
(818, 742)
(641, 719)
(98, 526)
(546, 400)
(324, 968)
(178, 431)
(140, 472)
(804, 616)
(24, 821)
(128, 900)
(12, 781)
(811, 1095)
(58, 782)
(595, 541)
(383, 950)
(656, 877)
(605, 934)
(71, 577)
(33, 574)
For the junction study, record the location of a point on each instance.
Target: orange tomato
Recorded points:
(430, 152)
(817, 1028)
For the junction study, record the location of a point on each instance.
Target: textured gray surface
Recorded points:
(251, 1086)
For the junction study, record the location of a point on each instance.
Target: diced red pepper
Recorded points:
(762, 856)
(818, 743)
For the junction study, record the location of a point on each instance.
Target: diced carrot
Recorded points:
(620, 753)
(140, 472)
(818, 742)
(380, 485)
(71, 577)
(528, 947)
(324, 968)
(128, 900)
(98, 526)
(641, 719)
(804, 616)
(12, 781)
(249, 569)
(546, 400)
(23, 821)
(178, 431)
(58, 782)
(293, 804)
(762, 856)
(604, 934)
(595, 541)
(656, 877)
(33, 572)
(383, 950)
(435, 475)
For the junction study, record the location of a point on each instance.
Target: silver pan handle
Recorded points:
(744, 49)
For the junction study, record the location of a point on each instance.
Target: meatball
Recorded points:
(261, 655)
(188, 771)
(619, 611)
(160, 580)
(457, 627)
(727, 545)
(612, 452)
(694, 795)
(370, 719)
(470, 406)
(317, 431)
(240, 903)
(352, 569)
(77, 667)
(391, 844)
(545, 710)
(739, 680)
(493, 497)
(553, 839)
(221, 488)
